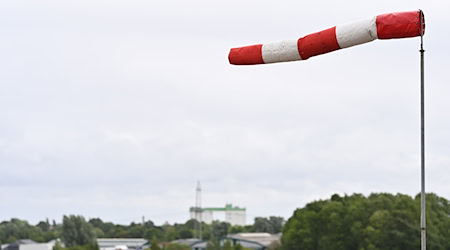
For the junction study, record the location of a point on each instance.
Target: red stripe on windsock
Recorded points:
(399, 25)
(246, 55)
(318, 43)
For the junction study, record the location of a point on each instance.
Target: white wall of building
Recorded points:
(206, 216)
(236, 218)
(37, 246)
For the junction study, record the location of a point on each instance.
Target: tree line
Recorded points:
(76, 231)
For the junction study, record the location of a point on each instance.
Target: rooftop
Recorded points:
(228, 207)
(264, 239)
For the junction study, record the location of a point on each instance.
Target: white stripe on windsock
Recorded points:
(351, 34)
(282, 51)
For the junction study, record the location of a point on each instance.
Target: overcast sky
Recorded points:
(115, 109)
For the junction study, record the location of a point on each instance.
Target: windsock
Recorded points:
(386, 26)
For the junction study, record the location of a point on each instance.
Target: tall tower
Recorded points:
(198, 211)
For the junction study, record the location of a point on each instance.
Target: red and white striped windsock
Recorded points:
(386, 26)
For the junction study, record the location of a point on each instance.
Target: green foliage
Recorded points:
(276, 245)
(380, 221)
(227, 245)
(237, 229)
(238, 247)
(219, 229)
(213, 244)
(98, 233)
(185, 233)
(154, 244)
(152, 233)
(57, 246)
(44, 225)
(75, 227)
(77, 232)
(170, 233)
(16, 229)
(271, 225)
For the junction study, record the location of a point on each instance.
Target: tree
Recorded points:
(57, 246)
(227, 245)
(77, 232)
(220, 229)
(44, 225)
(170, 233)
(15, 229)
(238, 247)
(237, 229)
(213, 244)
(185, 233)
(272, 225)
(277, 223)
(151, 233)
(155, 245)
(276, 245)
(136, 231)
(380, 221)
(98, 232)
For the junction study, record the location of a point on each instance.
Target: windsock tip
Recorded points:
(247, 55)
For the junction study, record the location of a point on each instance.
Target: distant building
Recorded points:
(193, 243)
(254, 241)
(233, 215)
(121, 243)
(27, 244)
(188, 242)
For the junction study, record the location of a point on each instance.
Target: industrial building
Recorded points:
(121, 243)
(26, 244)
(233, 215)
(253, 241)
(236, 216)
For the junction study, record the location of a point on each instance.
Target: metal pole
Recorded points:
(423, 230)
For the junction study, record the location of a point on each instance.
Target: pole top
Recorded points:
(422, 29)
